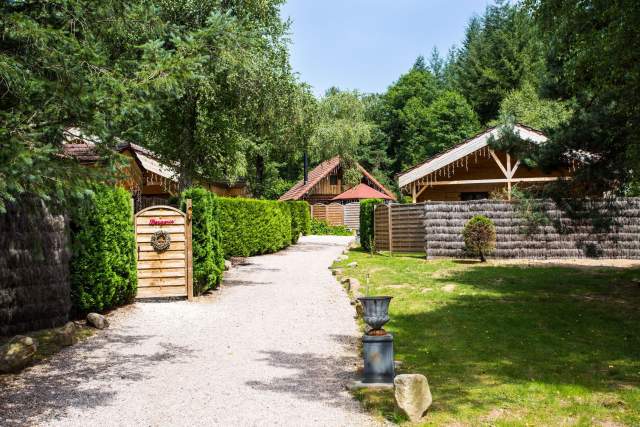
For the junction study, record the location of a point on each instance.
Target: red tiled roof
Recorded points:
(321, 171)
(361, 191)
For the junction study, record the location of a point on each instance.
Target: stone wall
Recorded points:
(605, 230)
(34, 268)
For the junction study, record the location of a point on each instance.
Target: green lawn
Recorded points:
(512, 344)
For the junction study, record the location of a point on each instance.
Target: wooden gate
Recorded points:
(163, 236)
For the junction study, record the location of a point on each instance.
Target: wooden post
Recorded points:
(414, 198)
(390, 221)
(189, 248)
(509, 177)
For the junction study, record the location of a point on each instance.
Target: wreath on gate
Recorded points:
(160, 240)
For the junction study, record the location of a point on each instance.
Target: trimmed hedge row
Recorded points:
(300, 219)
(253, 227)
(103, 265)
(208, 256)
(366, 222)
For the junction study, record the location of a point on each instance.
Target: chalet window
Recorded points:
(333, 179)
(474, 195)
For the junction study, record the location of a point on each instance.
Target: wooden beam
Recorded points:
(422, 190)
(508, 177)
(515, 168)
(496, 181)
(414, 197)
(495, 157)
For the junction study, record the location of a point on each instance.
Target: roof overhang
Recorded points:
(462, 150)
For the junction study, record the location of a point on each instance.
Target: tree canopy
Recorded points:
(208, 86)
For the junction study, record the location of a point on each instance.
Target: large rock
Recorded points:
(66, 335)
(17, 353)
(97, 320)
(352, 264)
(227, 265)
(412, 395)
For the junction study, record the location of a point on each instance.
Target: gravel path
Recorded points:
(274, 347)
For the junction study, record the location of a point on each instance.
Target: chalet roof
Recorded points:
(149, 161)
(361, 191)
(463, 149)
(321, 171)
(83, 148)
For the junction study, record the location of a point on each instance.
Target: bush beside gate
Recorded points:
(208, 255)
(103, 265)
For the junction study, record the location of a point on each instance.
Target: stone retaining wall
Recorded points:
(561, 237)
(34, 268)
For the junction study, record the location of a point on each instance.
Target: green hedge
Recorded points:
(300, 219)
(252, 227)
(366, 222)
(323, 228)
(103, 264)
(208, 256)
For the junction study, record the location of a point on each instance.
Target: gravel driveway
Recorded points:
(274, 347)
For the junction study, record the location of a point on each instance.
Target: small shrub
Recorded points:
(103, 265)
(253, 227)
(479, 236)
(208, 256)
(366, 222)
(323, 228)
(300, 219)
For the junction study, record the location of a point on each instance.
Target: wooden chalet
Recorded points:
(472, 170)
(148, 180)
(325, 183)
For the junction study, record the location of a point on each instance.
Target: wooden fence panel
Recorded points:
(352, 216)
(335, 214)
(407, 227)
(381, 227)
(319, 212)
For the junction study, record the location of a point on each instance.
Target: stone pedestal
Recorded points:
(378, 359)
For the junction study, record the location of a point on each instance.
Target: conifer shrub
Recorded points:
(252, 227)
(366, 222)
(479, 236)
(103, 264)
(208, 255)
(300, 219)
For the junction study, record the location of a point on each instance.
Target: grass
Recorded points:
(512, 344)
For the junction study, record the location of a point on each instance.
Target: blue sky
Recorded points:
(368, 44)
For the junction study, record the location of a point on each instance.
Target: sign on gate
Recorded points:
(163, 236)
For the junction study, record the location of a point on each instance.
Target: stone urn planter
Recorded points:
(377, 344)
(376, 313)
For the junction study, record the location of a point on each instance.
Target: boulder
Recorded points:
(412, 394)
(17, 353)
(66, 335)
(360, 311)
(97, 320)
(337, 271)
(227, 265)
(353, 264)
(342, 258)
